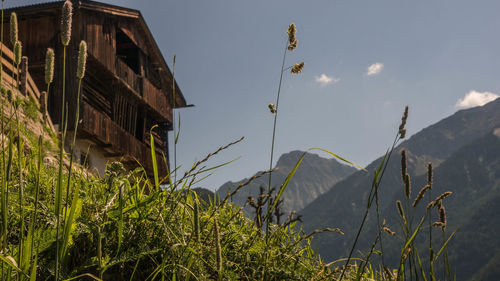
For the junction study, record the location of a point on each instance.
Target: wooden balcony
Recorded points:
(128, 75)
(101, 129)
(144, 90)
(155, 97)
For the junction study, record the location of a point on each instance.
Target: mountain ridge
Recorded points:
(303, 187)
(342, 206)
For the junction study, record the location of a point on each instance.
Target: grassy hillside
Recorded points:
(124, 227)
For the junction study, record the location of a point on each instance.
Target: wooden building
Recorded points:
(127, 89)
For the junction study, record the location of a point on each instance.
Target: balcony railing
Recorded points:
(110, 134)
(128, 75)
(156, 98)
(149, 93)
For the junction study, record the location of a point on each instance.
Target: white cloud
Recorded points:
(475, 98)
(374, 69)
(324, 80)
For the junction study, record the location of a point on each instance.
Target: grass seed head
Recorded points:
(402, 133)
(82, 60)
(406, 253)
(429, 174)
(388, 230)
(272, 108)
(293, 45)
(443, 195)
(292, 31)
(421, 194)
(66, 20)
(18, 51)
(49, 66)
(440, 224)
(438, 199)
(13, 28)
(404, 165)
(297, 68)
(407, 186)
(402, 130)
(442, 216)
(400, 209)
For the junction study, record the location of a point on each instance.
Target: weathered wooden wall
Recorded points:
(119, 105)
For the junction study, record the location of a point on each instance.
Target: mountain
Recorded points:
(445, 144)
(472, 173)
(314, 177)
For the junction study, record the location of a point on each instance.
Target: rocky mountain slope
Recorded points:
(465, 150)
(315, 176)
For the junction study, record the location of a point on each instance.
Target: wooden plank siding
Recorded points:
(127, 86)
(128, 75)
(100, 34)
(156, 98)
(110, 134)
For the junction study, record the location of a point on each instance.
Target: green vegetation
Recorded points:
(60, 222)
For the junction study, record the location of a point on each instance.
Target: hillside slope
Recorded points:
(344, 204)
(473, 175)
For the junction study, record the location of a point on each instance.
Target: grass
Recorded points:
(128, 226)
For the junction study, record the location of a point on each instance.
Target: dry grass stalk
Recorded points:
(198, 163)
(256, 176)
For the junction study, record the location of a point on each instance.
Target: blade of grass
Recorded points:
(285, 184)
(338, 157)
(153, 158)
(444, 245)
(76, 206)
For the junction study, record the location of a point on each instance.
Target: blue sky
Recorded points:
(425, 54)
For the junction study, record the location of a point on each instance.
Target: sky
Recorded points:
(364, 62)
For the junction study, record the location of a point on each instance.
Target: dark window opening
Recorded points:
(127, 51)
